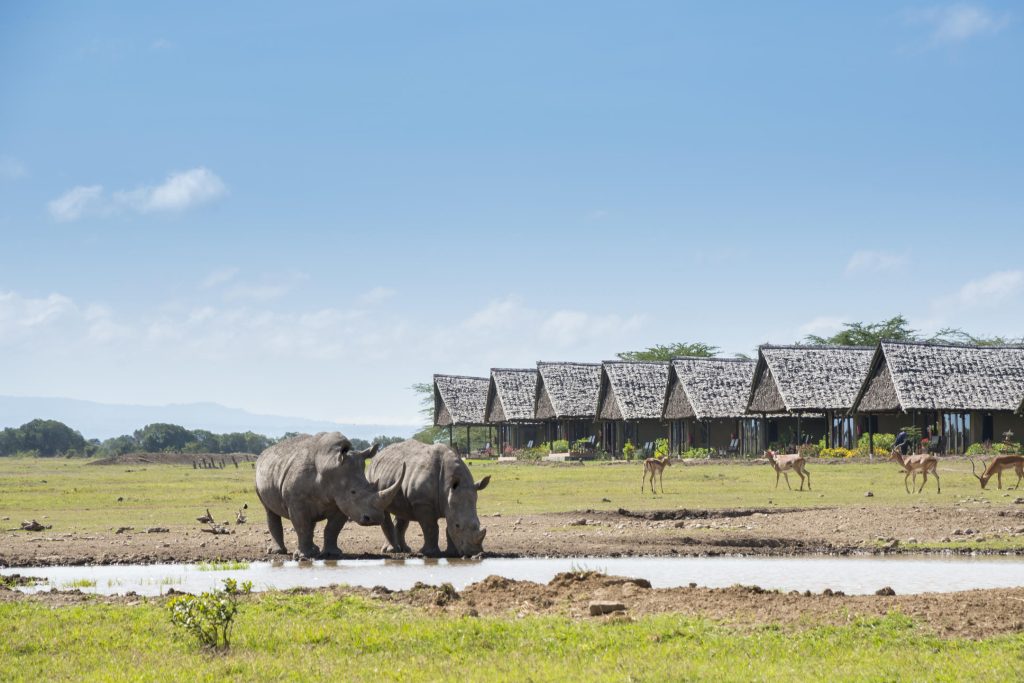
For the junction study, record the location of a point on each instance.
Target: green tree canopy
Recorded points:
(670, 351)
(46, 437)
(898, 328)
(161, 436)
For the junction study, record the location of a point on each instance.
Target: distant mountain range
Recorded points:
(104, 420)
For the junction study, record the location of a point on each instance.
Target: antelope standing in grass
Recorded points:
(782, 464)
(997, 466)
(912, 464)
(654, 466)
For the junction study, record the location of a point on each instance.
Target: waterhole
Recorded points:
(852, 575)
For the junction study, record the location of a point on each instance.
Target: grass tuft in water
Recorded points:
(221, 566)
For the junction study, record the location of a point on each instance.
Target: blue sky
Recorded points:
(304, 212)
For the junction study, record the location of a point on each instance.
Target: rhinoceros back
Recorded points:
(425, 469)
(289, 469)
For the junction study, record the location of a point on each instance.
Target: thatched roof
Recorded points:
(567, 390)
(632, 390)
(805, 379)
(708, 388)
(512, 395)
(925, 376)
(459, 400)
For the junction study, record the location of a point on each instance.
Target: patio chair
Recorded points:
(733, 448)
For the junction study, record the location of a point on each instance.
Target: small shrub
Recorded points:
(661, 448)
(560, 446)
(837, 453)
(628, 451)
(1008, 448)
(883, 443)
(209, 616)
(808, 450)
(978, 449)
(697, 453)
(532, 454)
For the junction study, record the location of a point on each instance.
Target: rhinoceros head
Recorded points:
(342, 473)
(464, 530)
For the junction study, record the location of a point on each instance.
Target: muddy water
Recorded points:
(851, 575)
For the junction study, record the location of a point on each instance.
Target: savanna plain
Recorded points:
(500, 629)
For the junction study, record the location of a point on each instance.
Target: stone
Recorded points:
(599, 607)
(157, 530)
(885, 591)
(868, 494)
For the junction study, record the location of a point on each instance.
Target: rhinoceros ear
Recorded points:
(368, 453)
(482, 484)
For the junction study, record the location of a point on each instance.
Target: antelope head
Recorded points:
(985, 474)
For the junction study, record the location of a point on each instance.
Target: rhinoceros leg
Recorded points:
(276, 533)
(428, 524)
(401, 526)
(335, 523)
(304, 526)
(394, 543)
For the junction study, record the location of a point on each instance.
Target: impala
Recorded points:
(783, 463)
(654, 466)
(913, 464)
(997, 466)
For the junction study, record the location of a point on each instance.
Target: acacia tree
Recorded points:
(670, 351)
(898, 328)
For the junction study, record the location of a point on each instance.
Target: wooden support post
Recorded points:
(871, 439)
(468, 449)
(799, 432)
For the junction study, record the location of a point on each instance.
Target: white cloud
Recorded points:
(11, 168)
(78, 200)
(874, 261)
(161, 44)
(256, 292)
(179, 192)
(377, 295)
(959, 22)
(219, 277)
(991, 290)
(24, 318)
(822, 326)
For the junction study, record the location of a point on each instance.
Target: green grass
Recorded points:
(75, 496)
(221, 566)
(80, 583)
(303, 637)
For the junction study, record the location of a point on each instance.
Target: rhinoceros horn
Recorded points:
(386, 496)
(480, 537)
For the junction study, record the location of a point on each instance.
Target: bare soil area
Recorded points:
(698, 532)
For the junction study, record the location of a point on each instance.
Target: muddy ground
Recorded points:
(969, 614)
(751, 531)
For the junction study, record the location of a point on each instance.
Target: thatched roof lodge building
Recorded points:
(971, 393)
(566, 399)
(706, 404)
(460, 402)
(815, 384)
(631, 403)
(510, 406)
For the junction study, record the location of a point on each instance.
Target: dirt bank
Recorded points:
(750, 531)
(969, 614)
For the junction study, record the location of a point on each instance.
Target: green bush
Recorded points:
(532, 454)
(837, 453)
(661, 448)
(697, 453)
(628, 451)
(1008, 448)
(208, 617)
(883, 443)
(808, 450)
(560, 446)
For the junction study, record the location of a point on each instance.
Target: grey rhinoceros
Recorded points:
(437, 484)
(312, 478)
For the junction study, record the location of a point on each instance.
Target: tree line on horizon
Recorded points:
(49, 438)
